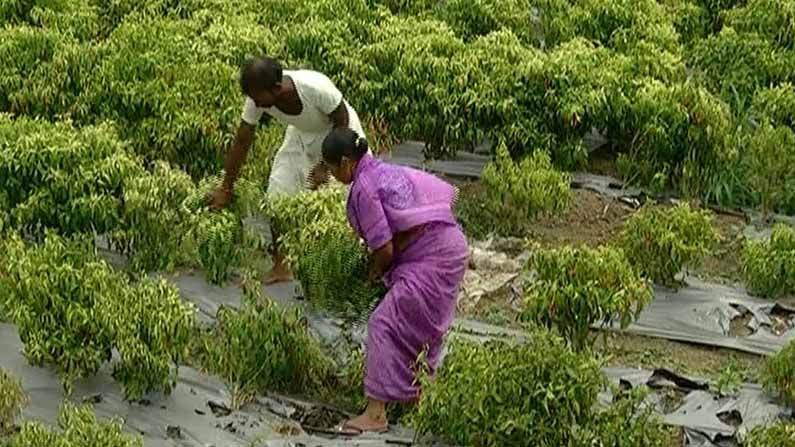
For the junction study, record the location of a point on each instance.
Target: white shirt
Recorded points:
(319, 97)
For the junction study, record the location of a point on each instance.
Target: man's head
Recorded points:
(260, 79)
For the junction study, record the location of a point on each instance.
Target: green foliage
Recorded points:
(691, 20)
(72, 309)
(781, 434)
(472, 18)
(769, 266)
(265, 347)
(153, 215)
(152, 336)
(518, 192)
(776, 105)
(78, 426)
(334, 273)
(328, 258)
(305, 217)
(730, 378)
(628, 422)
(735, 64)
(679, 136)
(659, 242)
(772, 19)
(12, 399)
(56, 177)
(769, 167)
(777, 376)
(571, 289)
(500, 393)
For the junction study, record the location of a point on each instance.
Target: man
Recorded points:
(311, 106)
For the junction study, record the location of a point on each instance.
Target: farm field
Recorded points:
(631, 229)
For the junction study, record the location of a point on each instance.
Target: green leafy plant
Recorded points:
(518, 192)
(627, 422)
(152, 336)
(571, 289)
(659, 242)
(782, 433)
(78, 426)
(769, 167)
(72, 310)
(54, 176)
(777, 376)
(334, 275)
(729, 379)
(12, 399)
(776, 105)
(769, 266)
(265, 347)
(501, 393)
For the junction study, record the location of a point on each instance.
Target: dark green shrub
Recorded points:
(772, 19)
(678, 136)
(777, 376)
(735, 64)
(502, 393)
(571, 289)
(57, 177)
(691, 20)
(769, 167)
(769, 266)
(627, 422)
(77, 426)
(659, 242)
(12, 399)
(776, 105)
(265, 347)
(518, 192)
(72, 309)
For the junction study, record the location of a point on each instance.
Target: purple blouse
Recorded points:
(387, 199)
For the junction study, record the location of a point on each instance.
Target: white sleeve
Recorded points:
(322, 92)
(251, 113)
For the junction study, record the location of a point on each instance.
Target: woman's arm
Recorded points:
(380, 261)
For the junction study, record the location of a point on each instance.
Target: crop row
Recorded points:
(452, 74)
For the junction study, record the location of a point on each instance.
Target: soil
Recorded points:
(740, 324)
(683, 358)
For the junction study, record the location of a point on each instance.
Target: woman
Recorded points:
(417, 248)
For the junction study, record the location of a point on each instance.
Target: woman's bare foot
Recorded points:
(276, 276)
(372, 420)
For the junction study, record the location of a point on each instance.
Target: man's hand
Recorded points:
(318, 176)
(220, 198)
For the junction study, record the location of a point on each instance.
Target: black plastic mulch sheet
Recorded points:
(717, 315)
(196, 413)
(708, 420)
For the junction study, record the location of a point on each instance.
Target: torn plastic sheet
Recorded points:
(193, 415)
(708, 419)
(716, 315)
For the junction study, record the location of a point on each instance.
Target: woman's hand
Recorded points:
(380, 261)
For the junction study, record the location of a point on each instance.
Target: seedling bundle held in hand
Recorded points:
(328, 258)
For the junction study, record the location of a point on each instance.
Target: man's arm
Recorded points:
(339, 117)
(237, 154)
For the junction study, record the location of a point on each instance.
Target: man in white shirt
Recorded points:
(311, 106)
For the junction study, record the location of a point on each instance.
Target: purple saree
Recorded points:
(424, 278)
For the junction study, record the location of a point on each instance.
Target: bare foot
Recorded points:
(277, 276)
(364, 423)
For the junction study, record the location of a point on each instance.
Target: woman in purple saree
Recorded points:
(417, 248)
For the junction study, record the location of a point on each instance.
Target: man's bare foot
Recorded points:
(277, 276)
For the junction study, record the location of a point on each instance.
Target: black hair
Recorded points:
(343, 143)
(260, 73)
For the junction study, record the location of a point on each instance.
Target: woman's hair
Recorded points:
(343, 143)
